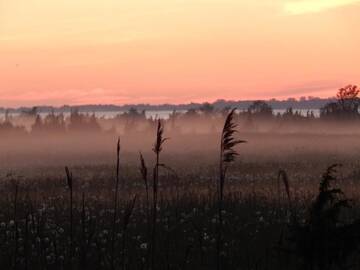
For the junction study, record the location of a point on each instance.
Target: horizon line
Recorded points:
(290, 99)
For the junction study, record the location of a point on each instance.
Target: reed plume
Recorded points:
(227, 150)
(227, 156)
(160, 140)
(144, 175)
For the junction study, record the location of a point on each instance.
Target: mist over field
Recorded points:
(268, 138)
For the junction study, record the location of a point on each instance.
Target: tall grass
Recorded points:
(283, 177)
(70, 183)
(227, 155)
(158, 146)
(115, 205)
(144, 176)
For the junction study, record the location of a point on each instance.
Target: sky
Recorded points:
(175, 51)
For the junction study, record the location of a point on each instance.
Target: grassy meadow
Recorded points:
(164, 199)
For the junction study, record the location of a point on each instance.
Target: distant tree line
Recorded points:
(344, 108)
(304, 103)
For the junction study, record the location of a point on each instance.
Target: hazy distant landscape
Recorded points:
(303, 103)
(131, 190)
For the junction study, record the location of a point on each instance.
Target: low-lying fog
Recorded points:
(192, 140)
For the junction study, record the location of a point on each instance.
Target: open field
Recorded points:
(40, 230)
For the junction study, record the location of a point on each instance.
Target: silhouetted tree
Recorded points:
(331, 109)
(38, 126)
(50, 124)
(133, 118)
(191, 113)
(80, 122)
(207, 108)
(260, 108)
(346, 106)
(32, 112)
(348, 98)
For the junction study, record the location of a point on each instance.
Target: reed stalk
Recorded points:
(160, 140)
(115, 207)
(227, 156)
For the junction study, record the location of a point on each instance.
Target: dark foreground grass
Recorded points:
(43, 236)
(37, 231)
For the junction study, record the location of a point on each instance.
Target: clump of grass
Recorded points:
(325, 240)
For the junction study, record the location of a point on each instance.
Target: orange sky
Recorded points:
(154, 51)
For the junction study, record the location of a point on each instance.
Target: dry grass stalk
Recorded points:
(227, 156)
(160, 140)
(69, 178)
(115, 207)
